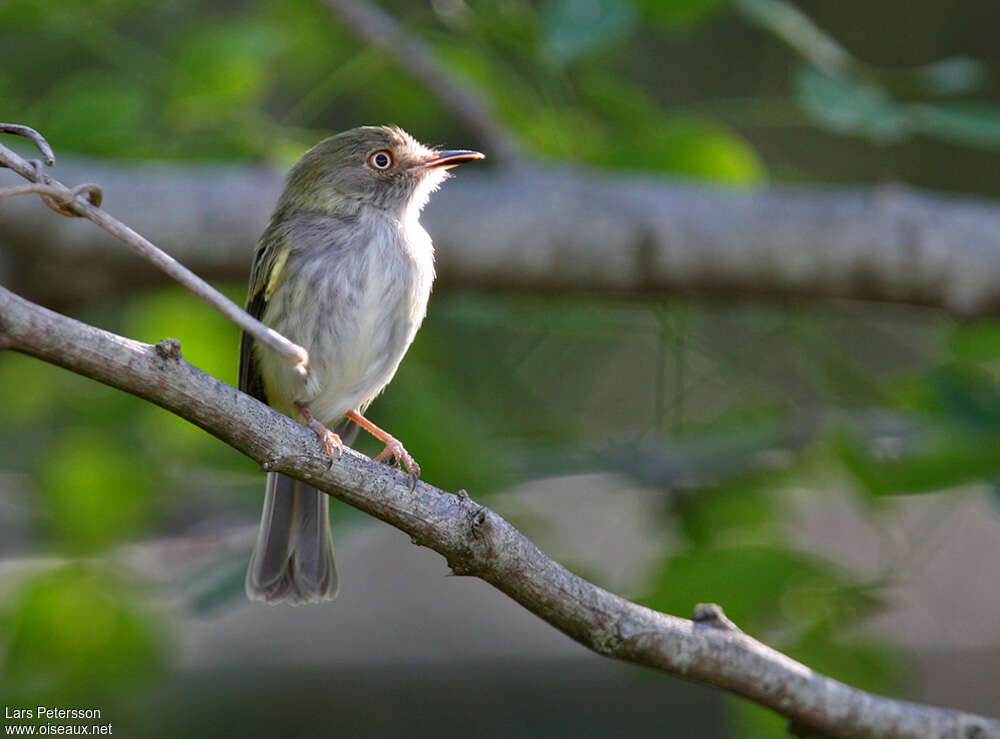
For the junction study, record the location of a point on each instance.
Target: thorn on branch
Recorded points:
(712, 616)
(169, 349)
(476, 514)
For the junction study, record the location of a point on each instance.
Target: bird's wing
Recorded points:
(268, 264)
(264, 275)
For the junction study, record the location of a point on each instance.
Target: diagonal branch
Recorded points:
(85, 201)
(380, 29)
(476, 541)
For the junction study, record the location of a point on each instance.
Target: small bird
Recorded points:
(344, 269)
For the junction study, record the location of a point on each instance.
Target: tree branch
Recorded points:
(380, 29)
(552, 228)
(476, 541)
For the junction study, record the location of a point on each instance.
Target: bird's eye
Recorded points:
(380, 160)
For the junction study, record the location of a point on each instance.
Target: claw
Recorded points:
(396, 455)
(327, 438)
(331, 440)
(394, 449)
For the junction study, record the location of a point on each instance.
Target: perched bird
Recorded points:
(343, 269)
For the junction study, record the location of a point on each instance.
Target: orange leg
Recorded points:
(393, 447)
(326, 436)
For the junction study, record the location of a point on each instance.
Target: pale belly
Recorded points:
(356, 320)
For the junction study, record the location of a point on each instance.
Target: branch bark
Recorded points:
(476, 541)
(551, 228)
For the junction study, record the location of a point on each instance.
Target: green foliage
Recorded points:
(97, 105)
(848, 105)
(574, 29)
(156, 81)
(94, 492)
(852, 105)
(948, 429)
(28, 388)
(71, 634)
(208, 339)
(679, 14)
(218, 70)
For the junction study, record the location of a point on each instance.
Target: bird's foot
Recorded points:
(327, 438)
(395, 454)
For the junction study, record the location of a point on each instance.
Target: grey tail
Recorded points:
(293, 559)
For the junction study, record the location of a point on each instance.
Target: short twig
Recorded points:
(29, 133)
(85, 200)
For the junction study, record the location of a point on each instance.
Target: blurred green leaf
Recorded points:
(451, 443)
(577, 28)
(740, 510)
(96, 112)
(699, 148)
(969, 123)
(219, 69)
(96, 492)
(71, 632)
(749, 582)
(975, 341)
(28, 387)
(954, 75)
(749, 720)
(969, 398)
(208, 339)
(638, 135)
(860, 662)
(679, 14)
(943, 458)
(847, 105)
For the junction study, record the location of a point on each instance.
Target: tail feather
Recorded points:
(293, 559)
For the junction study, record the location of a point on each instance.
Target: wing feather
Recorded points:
(268, 263)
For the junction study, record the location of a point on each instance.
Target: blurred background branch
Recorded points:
(460, 99)
(552, 228)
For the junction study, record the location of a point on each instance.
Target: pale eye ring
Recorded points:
(380, 160)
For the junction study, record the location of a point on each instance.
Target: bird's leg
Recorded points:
(326, 436)
(393, 447)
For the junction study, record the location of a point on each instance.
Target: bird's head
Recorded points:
(372, 166)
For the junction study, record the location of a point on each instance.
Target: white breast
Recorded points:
(374, 297)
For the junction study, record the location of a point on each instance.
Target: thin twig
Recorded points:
(796, 29)
(476, 541)
(380, 29)
(85, 201)
(29, 133)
